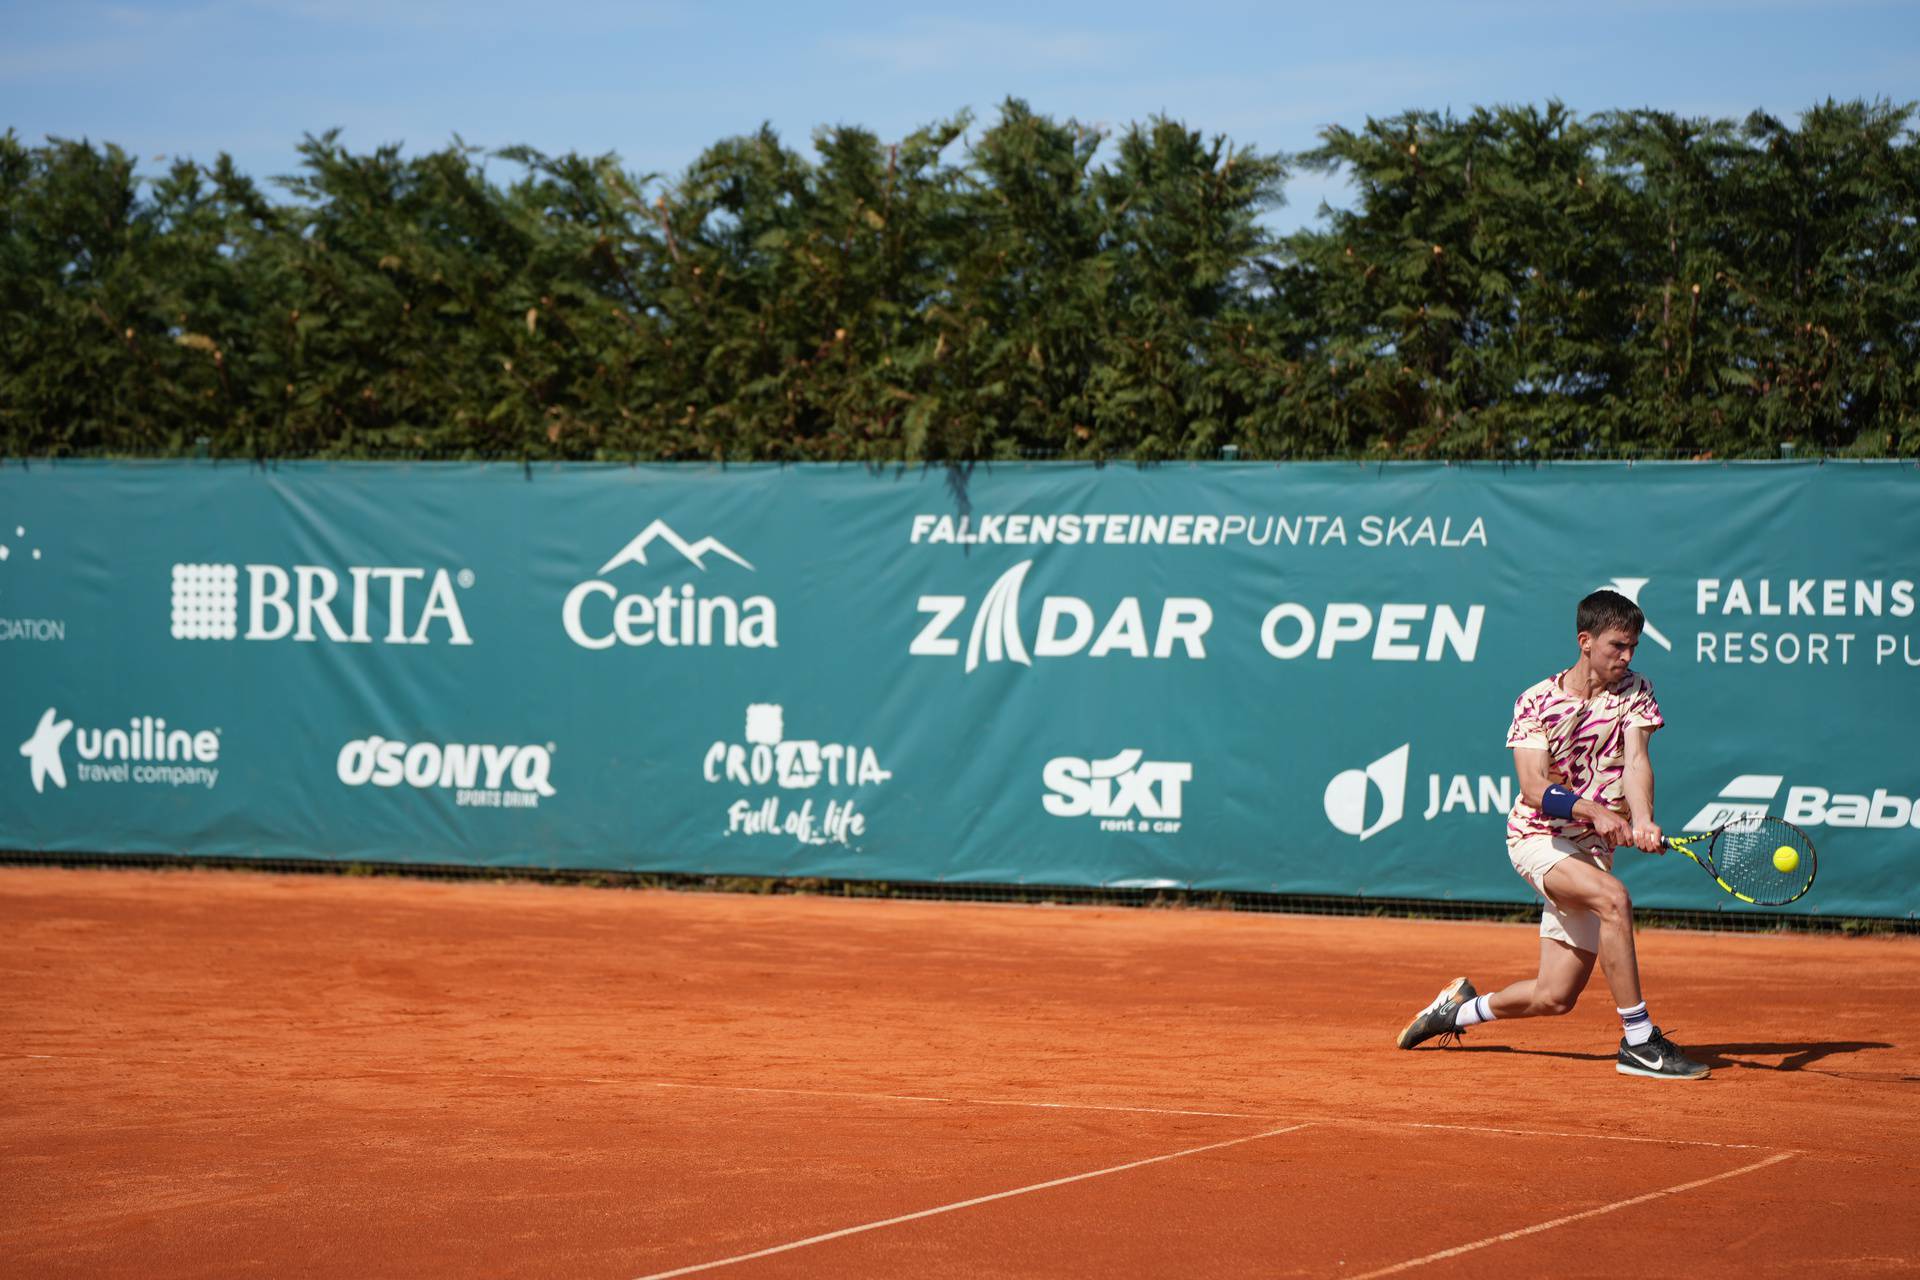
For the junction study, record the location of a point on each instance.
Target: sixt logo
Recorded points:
(596, 615)
(1116, 789)
(1067, 627)
(307, 603)
(1750, 795)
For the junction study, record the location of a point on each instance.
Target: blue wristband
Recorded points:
(1558, 801)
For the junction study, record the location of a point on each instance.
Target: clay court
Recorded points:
(215, 1073)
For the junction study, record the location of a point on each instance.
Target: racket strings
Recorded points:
(1747, 855)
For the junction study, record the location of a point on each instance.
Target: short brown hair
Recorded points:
(1606, 610)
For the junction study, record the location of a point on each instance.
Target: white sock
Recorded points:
(1638, 1023)
(1474, 1011)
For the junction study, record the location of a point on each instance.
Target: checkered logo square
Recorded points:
(206, 602)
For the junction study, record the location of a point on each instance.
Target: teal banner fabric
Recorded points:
(1290, 679)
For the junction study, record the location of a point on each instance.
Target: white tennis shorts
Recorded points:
(1533, 857)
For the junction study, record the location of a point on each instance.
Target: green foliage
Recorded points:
(1523, 282)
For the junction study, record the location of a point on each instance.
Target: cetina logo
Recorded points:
(308, 604)
(597, 616)
(1066, 627)
(1349, 796)
(146, 751)
(1631, 588)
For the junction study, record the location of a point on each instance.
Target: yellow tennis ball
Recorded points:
(1786, 858)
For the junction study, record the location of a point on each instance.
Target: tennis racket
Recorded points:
(1745, 857)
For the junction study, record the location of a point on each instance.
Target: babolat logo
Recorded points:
(598, 615)
(1753, 794)
(479, 774)
(145, 751)
(1125, 792)
(309, 602)
(1068, 626)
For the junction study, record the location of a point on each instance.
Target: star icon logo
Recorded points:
(42, 751)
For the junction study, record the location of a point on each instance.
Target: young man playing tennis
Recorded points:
(1579, 744)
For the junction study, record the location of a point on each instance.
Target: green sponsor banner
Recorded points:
(1288, 679)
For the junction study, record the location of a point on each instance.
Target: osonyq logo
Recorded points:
(479, 774)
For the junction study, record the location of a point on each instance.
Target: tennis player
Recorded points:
(1579, 744)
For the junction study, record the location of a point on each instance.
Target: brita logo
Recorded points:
(1068, 626)
(309, 602)
(598, 615)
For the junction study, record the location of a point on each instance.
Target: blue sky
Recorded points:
(658, 81)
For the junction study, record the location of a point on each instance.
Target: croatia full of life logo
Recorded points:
(767, 758)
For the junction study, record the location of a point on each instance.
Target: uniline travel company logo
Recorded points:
(598, 615)
(145, 751)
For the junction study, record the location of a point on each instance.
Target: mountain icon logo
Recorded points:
(635, 552)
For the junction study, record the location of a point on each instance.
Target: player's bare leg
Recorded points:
(1563, 975)
(1581, 886)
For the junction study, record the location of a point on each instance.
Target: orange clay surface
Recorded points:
(221, 1074)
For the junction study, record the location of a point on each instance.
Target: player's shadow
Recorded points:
(1797, 1055)
(1794, 1056)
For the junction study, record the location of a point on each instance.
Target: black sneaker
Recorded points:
(1437, 1018)
(1658, 1059)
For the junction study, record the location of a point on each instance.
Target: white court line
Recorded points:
(1505, 1236)
(1544, 1133)
(961, 1204)
(824, 1093)
(1015, 1102)
(1070, 1106)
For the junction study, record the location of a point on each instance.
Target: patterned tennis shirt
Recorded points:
(1586, 746)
